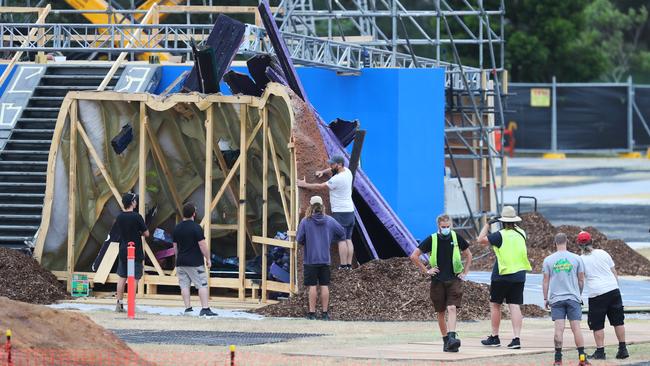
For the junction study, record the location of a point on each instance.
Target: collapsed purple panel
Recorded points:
(281, 50)
(371, 196)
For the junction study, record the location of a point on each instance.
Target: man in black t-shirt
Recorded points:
(131, 228)
(191, 248)
(447, 273)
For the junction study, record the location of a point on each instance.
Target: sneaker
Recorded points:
(119, 307)
(491, 341)
(515, 344)
(622, 353)
(557, 363)
(188, 311)
(207, 312)
(584, 362)
(311, 316)
(325, 316)
(349, 266)
(343, 267)
(598, 355)
(453, 344)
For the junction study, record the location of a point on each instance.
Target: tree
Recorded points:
(547, 38)
(619, 34)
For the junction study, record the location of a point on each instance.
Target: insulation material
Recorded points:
(179, 129)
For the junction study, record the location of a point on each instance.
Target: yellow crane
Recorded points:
(103, 18)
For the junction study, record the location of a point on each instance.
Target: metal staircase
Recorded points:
(23, 162)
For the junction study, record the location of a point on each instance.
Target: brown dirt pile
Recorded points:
(388, 290)
(310, 151)
(22, 278)
(540, 244)
(44, 336)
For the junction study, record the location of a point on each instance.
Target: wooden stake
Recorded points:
(142, 177)
(241, 233)
(160, 157)
(207, 215)
(72, 192)
(276, 167)
(265, 199)
(100, 164)
(294, 216)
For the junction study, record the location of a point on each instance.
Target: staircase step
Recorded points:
(22, 197)
(35, 133)
(23, 177)
(17, 239)
(22, 218)
(29, 144)
(41, 112)
(79, 70)
(5, 228)
(22, 187)
(22, 168)
(33, 155)
(80, 80)
(19, 209)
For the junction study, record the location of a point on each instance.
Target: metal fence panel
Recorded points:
(533, 123)
(592, 118)
(641, 130)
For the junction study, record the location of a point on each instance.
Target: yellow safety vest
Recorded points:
(512, 256)
(455, 257)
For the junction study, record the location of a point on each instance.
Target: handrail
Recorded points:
(122, 56)
(41, 20)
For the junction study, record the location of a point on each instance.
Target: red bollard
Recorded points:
(8, 347)
(130, 271)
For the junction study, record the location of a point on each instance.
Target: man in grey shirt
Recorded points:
(564, 279)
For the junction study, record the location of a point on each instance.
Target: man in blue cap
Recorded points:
(340, 188)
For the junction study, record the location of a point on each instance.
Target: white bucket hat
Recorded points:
(509, 215)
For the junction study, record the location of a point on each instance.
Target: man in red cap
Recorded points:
(601, 287)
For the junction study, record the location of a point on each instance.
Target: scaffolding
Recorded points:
(461, 36)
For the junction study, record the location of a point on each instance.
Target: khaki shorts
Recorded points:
(446, 293)
(192, 275)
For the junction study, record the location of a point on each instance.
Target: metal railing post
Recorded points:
(630, 116)
(554, 116)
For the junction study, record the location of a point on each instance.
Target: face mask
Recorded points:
(445, 231)
(334, 171)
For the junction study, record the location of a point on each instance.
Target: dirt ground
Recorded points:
(339, 334)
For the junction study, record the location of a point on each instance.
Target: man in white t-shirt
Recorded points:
(601, 287)
(340, 188)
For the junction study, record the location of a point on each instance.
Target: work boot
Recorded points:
(311, 316)
(207, 312)
(188, 311)
(515, 344)
(119, 307)
(622, 353)
(325, 316)
(453, 344)
(445, 340)
(491, 341)
(599, 354)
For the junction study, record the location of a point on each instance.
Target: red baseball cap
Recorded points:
(584, 237)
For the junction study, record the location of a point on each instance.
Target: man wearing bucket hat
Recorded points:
(340, 188)
(601, 287)
(317, 232)
(508, 275)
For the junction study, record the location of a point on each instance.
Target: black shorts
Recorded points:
(316, 274)
(345, 219)
(610, 305)
(511, 292)
(122, 269)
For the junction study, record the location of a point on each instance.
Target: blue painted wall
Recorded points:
(403, 112)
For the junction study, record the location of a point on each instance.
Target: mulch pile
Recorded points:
(388, 290)
(23, 279)
(540, 244)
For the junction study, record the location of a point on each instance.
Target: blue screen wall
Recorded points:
(403, 113)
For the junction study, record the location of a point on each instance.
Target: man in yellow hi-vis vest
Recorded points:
(508, 274)
(447, 273)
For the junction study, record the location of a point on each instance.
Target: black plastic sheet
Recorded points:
(642, 100)
(533, 123)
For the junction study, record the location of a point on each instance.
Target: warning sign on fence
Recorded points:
(540, 97)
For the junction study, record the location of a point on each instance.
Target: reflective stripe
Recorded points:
(130, 268)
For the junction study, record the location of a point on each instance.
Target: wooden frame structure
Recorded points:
(148, 143)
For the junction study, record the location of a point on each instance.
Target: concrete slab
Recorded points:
(534, 341)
